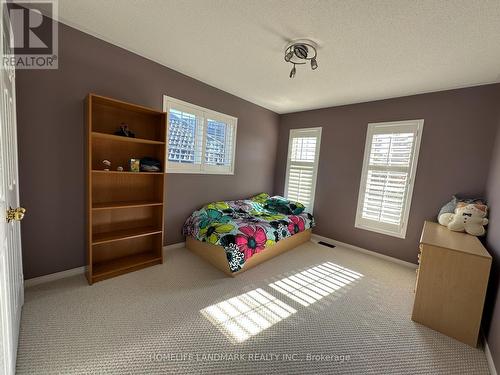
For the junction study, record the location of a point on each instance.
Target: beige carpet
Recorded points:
(314, 310)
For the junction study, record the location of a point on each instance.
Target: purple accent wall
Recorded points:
(456, 147)
(51, 144)
(492, 310)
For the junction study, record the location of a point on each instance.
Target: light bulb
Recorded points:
(288, 56)
(314, 64)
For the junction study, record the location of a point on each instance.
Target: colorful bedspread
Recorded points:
(246, 227)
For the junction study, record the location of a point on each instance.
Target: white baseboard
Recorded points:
(53, 276)
(317, 238)
(78, 271)
(489, 358)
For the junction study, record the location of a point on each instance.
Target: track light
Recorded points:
(300, 52)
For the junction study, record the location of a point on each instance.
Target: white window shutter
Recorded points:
(185, 138)
(302, 165)
(199, 140)
(220, 144)
(389, 167)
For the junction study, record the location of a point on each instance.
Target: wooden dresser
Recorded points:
(452, 278)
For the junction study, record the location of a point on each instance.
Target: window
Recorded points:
(389, 166)
(302, 165)
(199, 140)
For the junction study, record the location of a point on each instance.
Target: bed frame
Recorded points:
(216, 255)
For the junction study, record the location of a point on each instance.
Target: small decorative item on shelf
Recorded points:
(119, 169)
(150, 165)
(107, 164)
(124, 131)
(135, 165)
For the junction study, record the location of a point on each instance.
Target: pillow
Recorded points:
(260, 198)
(284, 206)
(449, 208)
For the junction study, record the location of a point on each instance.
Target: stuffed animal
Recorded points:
(468, 217)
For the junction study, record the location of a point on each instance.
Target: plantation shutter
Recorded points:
(199, 140)
(387, 177)
(219, 144)
(302, 165)
(185, 138)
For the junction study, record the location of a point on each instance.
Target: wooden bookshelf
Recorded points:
(125, 210)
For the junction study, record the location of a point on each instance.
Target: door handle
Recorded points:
(16, 214)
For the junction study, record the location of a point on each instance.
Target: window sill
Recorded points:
(200, 172)
(386, 232)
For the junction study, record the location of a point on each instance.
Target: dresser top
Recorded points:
(435, 234)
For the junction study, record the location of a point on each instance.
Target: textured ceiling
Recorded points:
(369, 49)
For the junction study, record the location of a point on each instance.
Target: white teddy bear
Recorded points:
(470, 218)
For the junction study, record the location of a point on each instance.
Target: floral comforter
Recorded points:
(246, 227)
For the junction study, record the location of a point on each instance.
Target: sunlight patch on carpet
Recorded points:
(246, 315)
(315, 283)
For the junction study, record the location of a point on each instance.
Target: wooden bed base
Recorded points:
(216, 255)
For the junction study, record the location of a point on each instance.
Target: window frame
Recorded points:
(416, 126)
(204, 114)
(317, 131)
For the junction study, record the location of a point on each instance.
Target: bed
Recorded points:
(235, 236)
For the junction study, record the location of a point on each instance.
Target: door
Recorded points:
(11, 272)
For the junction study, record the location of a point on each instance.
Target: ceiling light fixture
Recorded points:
(300, 52)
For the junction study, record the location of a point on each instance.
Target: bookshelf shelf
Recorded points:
(127, 172)
(124, 204)
(124, 234)
(119, 138)
(126, 264)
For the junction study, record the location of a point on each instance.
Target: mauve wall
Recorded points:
(492, 310)
(454, 158)
(51, 144)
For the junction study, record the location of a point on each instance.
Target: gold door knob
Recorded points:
(16, 214)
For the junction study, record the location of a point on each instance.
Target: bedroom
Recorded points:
(177, 269)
